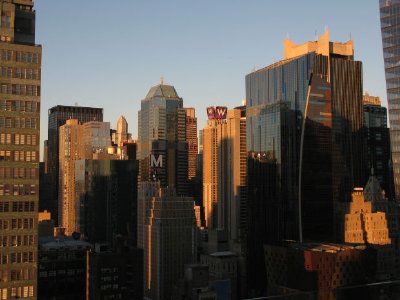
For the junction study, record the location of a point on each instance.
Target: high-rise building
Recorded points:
(162, 118)
(224, 171)
(390, 20)
(166, 233)
(377, 139)
(106, 191)
(121, 133)
(58, 115)
(305, 142)
(20, 62)
(191, 138)
(76, 142)
(71, 148)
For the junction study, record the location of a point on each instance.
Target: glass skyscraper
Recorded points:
(162, 145)
(305, 146)
(390, 24)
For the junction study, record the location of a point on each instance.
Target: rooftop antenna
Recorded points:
(76, 104)
(315, 36)
(162, 80)
(351, 37)
(287, 35)
(326, 28)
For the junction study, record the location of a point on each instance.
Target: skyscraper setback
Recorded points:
(20, 63)
(390, 20)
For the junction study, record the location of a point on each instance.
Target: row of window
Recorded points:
(17, 274)
(20, 89)
(17, 292)
(26, 57)
(16, 240)
(17, 258)
(18, 139)
(29, 123)
(24, 173)
(18, 189)
(25, 223)
(17, 206)
(19, 105)
(16, 155)
(21, 73)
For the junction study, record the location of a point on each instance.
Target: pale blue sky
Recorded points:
(109, 53)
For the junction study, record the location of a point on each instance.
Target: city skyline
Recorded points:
(214, 46)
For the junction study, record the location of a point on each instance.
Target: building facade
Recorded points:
(191, 138)
(162, 120)
(114, 273)
(377, 138)
(121, 133)
(305, 145)
(224, 172)
(77, 141)
(106, 191)
(57, 116)
(166, 233)
(20, 81)
(389, 15)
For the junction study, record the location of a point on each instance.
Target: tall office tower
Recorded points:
(377, 138)
(76, 141)
(58, 115)
(161, 117)
(390, 20)
(191, 138)
(71, 148)
(224, 170)
(20, 62)
(106, 191)
(166, 227)
(305, 143)
(121, 133)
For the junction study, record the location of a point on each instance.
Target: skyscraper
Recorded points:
(162, 146)
(390, 20)
(121, 134)
(20, 62)
(77, 141)
(305, 143)
(166, 224)
(224, 170)
(377, 139)
(58, 115)
(191, 138)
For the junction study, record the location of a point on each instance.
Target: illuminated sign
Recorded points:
(217, 113)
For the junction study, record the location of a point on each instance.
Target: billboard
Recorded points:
(217, 112)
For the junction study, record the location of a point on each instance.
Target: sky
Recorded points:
(110, 53)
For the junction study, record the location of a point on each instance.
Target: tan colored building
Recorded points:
(224, 172)
(362, 225)
(166, 233)
(20, 83)
(71, 148)
(77, 141)
(191, 138)
(121, 134)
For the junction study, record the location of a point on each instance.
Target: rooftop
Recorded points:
(162, 91)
